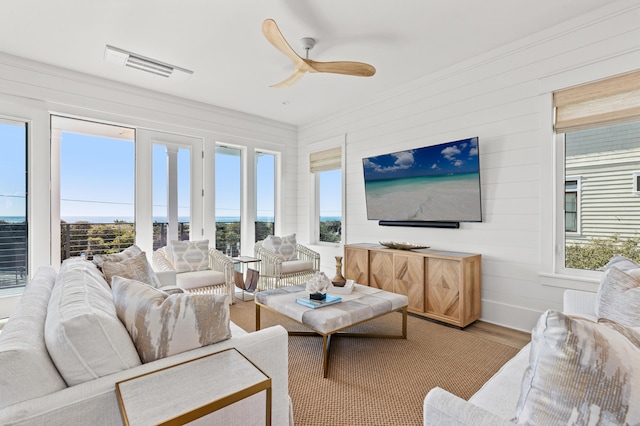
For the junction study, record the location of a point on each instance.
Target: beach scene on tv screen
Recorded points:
(434, 183)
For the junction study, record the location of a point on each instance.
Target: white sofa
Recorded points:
(495, 403)
(33, 391)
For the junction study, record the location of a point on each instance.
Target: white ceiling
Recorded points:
(233, 64)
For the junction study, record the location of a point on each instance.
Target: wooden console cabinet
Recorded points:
(441, 285)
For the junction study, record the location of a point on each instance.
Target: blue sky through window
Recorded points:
(97, 180)
(13, 170)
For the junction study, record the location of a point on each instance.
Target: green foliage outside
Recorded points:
(228, 233)
(95, 238)
(331, 231)
(598, 251)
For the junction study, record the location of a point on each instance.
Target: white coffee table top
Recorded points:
(362, 304)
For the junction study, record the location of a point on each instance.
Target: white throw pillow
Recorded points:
(162, 325)
(127, 253)
(83, 334)
(618, 297)
(286, 247)
(581, 373)
(189, 256)
(136, 268)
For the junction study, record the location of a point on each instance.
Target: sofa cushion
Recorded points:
(162, 325)
(136, 268)
(84, 336)
(189, 256)
(286, 247)
(127, 253)
(618, 297)
(581, 372)
(27, 369)
(197, 279)
(293, 266)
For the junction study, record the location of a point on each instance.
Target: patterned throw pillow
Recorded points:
(618, 297)
(162, 325)
(127, 253)
(286, 247)
(189, 256)
(136, 268)
(581, 372)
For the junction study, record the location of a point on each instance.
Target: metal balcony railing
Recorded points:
(13, 254)
(104, 238)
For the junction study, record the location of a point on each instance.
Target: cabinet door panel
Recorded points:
(381, 272)
(443, 292)
(356, 265)
(408, 277)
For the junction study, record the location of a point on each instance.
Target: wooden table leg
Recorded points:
(257, 317)
(404, 322)
(326, 343)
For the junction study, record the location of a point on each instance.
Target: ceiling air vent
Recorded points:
(142, 63)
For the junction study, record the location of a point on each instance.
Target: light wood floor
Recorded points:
(508, 336)
(497, 333)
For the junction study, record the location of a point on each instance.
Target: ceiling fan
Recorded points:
(303, 65)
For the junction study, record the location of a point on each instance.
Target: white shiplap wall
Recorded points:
(503, 98)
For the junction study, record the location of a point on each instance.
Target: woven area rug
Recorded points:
(380, 381)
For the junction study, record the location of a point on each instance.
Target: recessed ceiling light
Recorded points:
(142, 63)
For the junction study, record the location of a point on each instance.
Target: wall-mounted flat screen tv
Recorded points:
(438, 183)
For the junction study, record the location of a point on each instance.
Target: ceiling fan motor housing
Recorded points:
(307, 43)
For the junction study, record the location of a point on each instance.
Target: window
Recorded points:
(326, 167)
(599, 127)
(636, 183)
(171, 169)
(265, 194)
(97, 186)
(228, 175)
(571, 206)
(13, 206)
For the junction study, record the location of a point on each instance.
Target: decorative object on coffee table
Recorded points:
(338, 280)
(402, 246)
(318, 286)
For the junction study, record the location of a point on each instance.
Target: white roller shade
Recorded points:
(601, 103)
(329, 159)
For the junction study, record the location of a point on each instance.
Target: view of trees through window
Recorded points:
(265, 194)
(602, 202)
(330, 205)
(228, 181)
(96, 205)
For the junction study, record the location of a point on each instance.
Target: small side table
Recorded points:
(199, 389)
(245, 279)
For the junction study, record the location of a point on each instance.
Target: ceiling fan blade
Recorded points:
(274, 36)
(359, 69)
(297, 74)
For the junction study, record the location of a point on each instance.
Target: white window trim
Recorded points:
(578, 180)
(314, 179)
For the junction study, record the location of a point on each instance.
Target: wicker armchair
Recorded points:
(276, 272)
(217, 279)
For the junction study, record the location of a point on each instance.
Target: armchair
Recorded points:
(276, 271)
(216, 276)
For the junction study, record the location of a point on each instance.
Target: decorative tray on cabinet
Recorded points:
(402, 246)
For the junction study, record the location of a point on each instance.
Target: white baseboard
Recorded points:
(515, 317)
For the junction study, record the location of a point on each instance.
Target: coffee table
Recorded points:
(363, 304)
